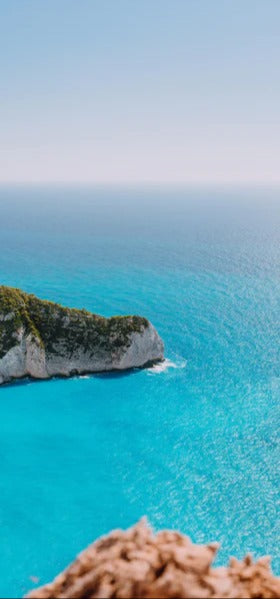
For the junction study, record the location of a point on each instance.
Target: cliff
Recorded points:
(138, 564)
(42, 339)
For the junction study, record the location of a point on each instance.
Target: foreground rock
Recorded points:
(42, 339)
(136, 563)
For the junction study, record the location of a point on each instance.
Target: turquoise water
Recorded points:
(193, 445)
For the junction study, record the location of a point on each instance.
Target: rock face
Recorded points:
(42, 339)
(138, 564)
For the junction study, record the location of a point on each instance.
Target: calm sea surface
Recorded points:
(194, 444)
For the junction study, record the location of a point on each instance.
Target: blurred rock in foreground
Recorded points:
(136, 563)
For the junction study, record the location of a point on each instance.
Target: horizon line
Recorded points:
(139, 184)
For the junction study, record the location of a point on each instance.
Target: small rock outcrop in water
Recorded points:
(42, 339)
(136, 563)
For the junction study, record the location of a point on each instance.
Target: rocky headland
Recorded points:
(136, 563)
(41, 339)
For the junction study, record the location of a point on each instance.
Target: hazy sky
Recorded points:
(140, 90)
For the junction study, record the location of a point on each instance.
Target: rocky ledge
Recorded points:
(138, 564)
(41, 339)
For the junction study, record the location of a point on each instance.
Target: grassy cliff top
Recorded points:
(53, 325)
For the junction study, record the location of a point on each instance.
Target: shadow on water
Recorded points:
(114, 374)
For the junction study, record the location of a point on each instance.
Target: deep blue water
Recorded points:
(194, 446)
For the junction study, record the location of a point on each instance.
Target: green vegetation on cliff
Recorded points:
(57, 328)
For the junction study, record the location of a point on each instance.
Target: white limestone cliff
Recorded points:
(41, 339)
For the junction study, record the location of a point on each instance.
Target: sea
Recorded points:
(192, 443)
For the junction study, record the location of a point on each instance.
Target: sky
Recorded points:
(139, 91)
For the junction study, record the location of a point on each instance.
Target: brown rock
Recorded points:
(138, 564)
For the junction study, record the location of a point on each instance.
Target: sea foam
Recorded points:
(166, 365)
